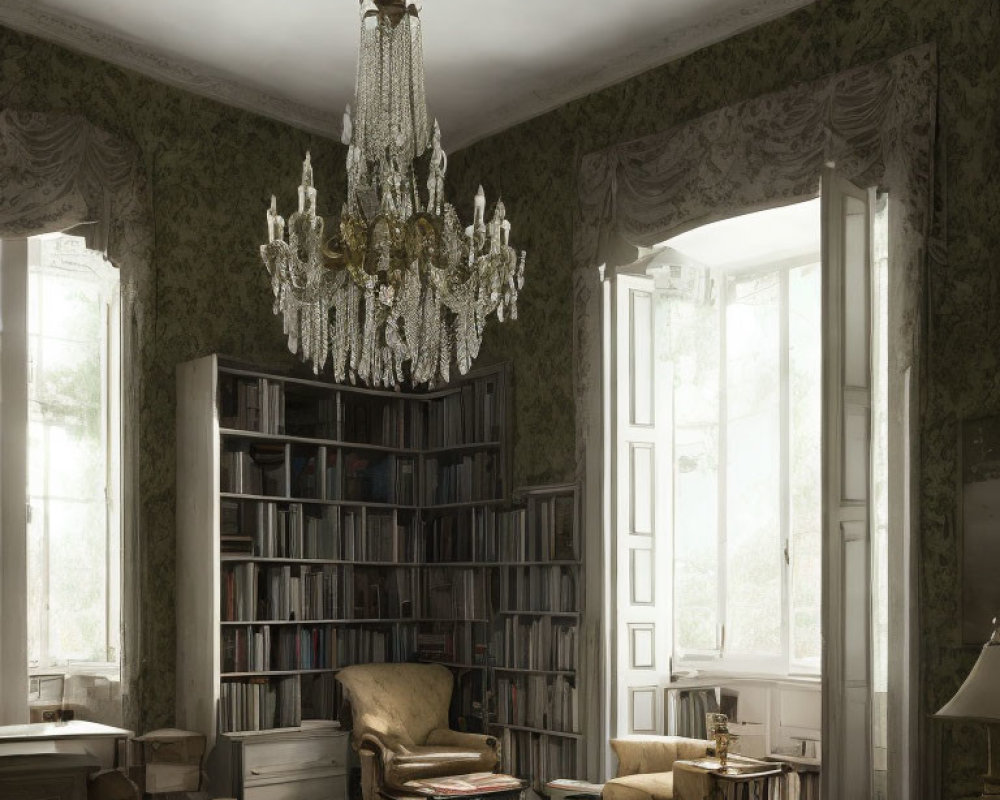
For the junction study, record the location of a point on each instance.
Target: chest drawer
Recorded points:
(329, 788)
(292, 755)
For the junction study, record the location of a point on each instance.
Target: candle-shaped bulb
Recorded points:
(347, 131)
(480, 207)
(272, 214)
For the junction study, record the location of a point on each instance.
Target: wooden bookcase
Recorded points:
(321, 525)
(538, 634)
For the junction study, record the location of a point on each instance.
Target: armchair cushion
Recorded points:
(651, 786)
(408, 763)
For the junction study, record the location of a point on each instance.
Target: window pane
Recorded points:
(753, 465)
(73, 531)
(693, 347)
(77, 577)
(805, 486)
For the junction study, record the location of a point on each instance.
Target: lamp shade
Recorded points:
(979, 697)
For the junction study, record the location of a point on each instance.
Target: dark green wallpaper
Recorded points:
(534, 165)
(211, 172)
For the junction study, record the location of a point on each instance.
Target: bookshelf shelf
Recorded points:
(541, 731)
(273, 673)
(461, 448)
(466, 504)
(321, 525)
(529, 613)
(238, 433)
(564, 672)
(321, 502)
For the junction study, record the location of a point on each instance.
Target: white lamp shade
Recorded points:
(979, 697)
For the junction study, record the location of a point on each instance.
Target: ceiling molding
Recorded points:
(75, 34)
(676, 45)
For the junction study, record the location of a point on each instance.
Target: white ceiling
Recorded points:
(489, 64)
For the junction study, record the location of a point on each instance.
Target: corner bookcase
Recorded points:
(321, 525)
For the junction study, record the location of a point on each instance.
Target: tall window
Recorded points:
(74, 527)
(61, 342)
(746, 434)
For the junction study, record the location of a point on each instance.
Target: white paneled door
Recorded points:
(641, 548)
(847, 553)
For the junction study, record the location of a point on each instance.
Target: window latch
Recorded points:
(27, 513)
(788, 559)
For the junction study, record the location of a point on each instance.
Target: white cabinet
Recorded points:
(308, 764)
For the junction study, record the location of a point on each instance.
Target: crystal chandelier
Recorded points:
(400, 289)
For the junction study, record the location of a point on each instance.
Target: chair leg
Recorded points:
(369, 775)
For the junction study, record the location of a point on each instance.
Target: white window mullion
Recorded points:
(722, 506)
(784, 539)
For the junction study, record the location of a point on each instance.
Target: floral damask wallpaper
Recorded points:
(211, 170)
(535, 164)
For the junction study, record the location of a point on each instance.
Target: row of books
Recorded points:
(257, 468)
(463, 479)
(367, 477)
(538, 701)
(259, 648)
(456, 594)
(458, 643)
(538, 643)
(268, 406)
(375, 536)
(259, 704)
(251, 404)
(373, 420)
(551, 535)
(381, 594)
(553, 530)
(291, 530)
(539, 588)
(537, 757)
(252, 592)
(322, 696)
(460, 535)
(470, 415)
(371, 645)
(271, 529)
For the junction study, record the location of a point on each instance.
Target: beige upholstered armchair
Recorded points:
(401, 729)
(646, 764)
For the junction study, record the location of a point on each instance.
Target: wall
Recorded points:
(211, 170)
(534, 165)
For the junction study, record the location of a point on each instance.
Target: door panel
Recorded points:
(642, 633)
(847, 591)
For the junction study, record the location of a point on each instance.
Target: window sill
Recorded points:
(693, 677)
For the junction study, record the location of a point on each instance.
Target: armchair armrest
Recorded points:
(473, 741)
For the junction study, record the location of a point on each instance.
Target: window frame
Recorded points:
(111, 423)
(718, 661)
